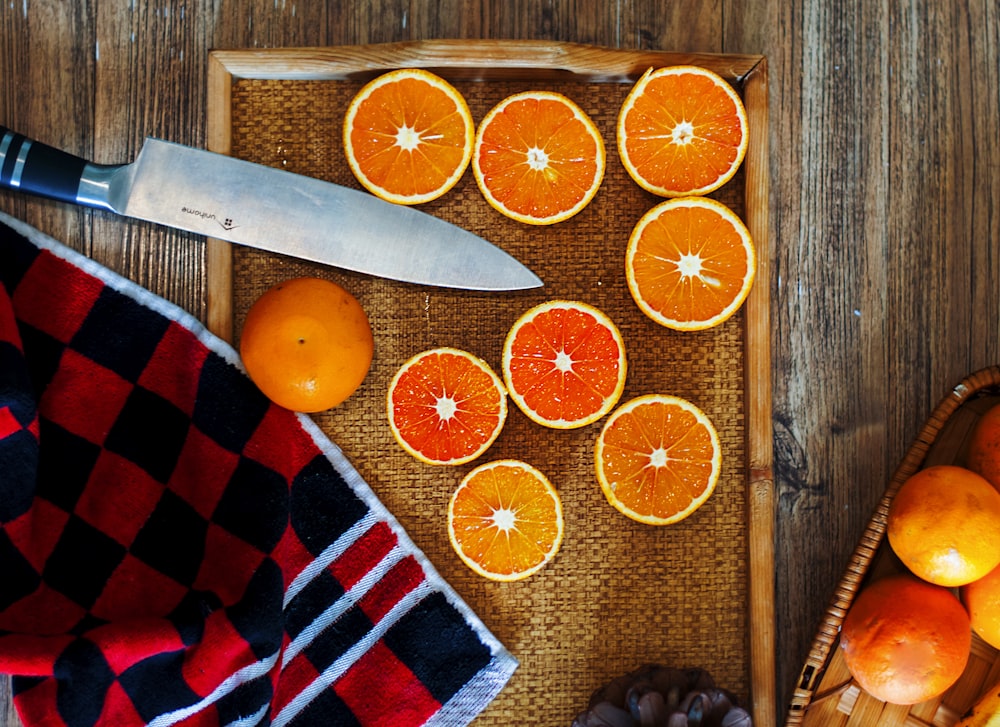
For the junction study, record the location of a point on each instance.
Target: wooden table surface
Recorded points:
(884, 197)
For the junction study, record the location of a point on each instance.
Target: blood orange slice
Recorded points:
(505, 520)
(658, 459)
(446, 406)
(564, 364)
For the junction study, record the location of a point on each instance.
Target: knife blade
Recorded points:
(270, 209)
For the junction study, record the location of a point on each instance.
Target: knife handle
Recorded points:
(31, 166)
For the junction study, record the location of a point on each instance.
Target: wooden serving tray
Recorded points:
(826, 695)
(618, 594)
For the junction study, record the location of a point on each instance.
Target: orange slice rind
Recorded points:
(658, 459)
(408, 136)
(505, 520)
(682, 130)
(538, 158)
(446, 406)
(564, 364)
(690, 263)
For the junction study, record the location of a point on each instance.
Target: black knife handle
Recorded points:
(31, 166)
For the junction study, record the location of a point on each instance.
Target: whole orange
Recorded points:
(984, 446)
(307, 344)
(982, 599)
(905, 640)
(944, 524)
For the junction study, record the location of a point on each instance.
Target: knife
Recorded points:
(271, 209)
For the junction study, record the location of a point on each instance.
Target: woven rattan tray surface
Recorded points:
(826, 696)
(618, 594)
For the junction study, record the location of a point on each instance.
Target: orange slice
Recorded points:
(408, 136)
(505, 520)
(658, 459)
(538, 157)
(446, 406)
(564, 364)
(690, 263)
(682, 130)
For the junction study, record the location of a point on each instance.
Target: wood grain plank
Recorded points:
(50, 47)
(685, 26)
(946, 215)
(884, 214)
(830, 272)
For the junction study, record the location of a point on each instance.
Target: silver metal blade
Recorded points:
(250, 204)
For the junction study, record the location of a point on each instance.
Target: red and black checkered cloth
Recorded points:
(175, 549)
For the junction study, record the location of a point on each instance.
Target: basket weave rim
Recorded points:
(872, 537)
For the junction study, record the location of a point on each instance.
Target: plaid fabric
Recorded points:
(177, 550)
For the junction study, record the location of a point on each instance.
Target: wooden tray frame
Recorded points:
(552, 60)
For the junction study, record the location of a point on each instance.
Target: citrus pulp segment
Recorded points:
(564, 364)
(505, 520)
(690, 263)
(538, 157)
(446, 406)
(408, 136)
(658, 459)
(307, 344)
(682, 130)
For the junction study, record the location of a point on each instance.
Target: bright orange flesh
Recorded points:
(505, 520)
(944, 524)
(682, 131)
(658, 459)
(408, 136)
(690, 263)
(446, 406)
(905, 640)
(564, 364)
(307, 344)
(538, 158)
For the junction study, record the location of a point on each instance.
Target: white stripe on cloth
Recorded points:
(238, 678)
(330, 554)
(339, 607)
(337, 669)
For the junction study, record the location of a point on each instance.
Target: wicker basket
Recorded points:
(826, 695)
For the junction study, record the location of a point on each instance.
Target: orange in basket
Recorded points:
(682, 130)
(505, 520)
(658, 459)
(408, 136)
(307, 344)
(905, 640)
(564, 364)
(690, 263)
(982, 599)
(984, 446)
(944, 524)
(538, 157)
(446, 406)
